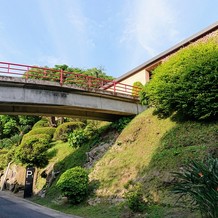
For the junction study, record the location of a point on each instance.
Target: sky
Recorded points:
(116, 35)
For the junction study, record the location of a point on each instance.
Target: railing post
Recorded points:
(102, 83)
(8, 68)
(44, 73)
(27, 73)
(89, 82)
(61, 77)
(114, 87)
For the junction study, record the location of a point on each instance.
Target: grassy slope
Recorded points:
(147, 150)
(132, 152)
(57, 153)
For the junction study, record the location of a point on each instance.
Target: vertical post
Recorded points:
(8, 68)
(114, 86)
(27, 73)
(28, 190)
(102, 83)
(44, 73)
(61, 77)
(89, 82)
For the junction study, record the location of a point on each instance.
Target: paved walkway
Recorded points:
(14, 207)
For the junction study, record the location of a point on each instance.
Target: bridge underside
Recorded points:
(47, 99)
(59, 111)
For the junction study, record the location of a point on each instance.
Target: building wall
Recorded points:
(141, 76)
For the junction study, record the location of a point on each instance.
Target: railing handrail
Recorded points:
(65, 78)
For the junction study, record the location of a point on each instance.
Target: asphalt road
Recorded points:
(14, 207)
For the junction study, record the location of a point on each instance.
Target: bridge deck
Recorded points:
(38, 97)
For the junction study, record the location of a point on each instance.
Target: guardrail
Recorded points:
(64, 78)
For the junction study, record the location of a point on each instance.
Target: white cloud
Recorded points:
(67, 27)
(82, 27)
(78, 21)
(152, 23)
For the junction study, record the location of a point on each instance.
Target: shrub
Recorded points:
(200, 181)
(3, 158)
(62, 131)
(120, 124)
(143, 96)
(137, 87)
(33, 150)
(134, 199)
(187, 82)
(43, 130)
(79, 136)
(41, 123)
(73, 183)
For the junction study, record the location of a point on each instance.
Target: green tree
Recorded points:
(187, 82)
(70, 75)
(11, 125)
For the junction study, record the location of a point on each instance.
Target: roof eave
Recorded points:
(173, 49)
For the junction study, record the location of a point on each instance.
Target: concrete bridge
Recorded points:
(22, 95)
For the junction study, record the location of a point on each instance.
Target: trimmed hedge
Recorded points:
(43, 130)
(61, 132)
(33, 150)
(41, 123)
(187, 82)
(73, 183)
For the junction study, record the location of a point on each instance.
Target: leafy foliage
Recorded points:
(41, 123)
(134, 199)
(34, 145)
(120, 124)
(81, 135)
(12, 125)
(74, 184)
(69, 77)
(200, 181)
(62, 131)
(77, 138)
(143, 96)
(49, 131)
(9, 142)
(137, 86)
(33, 150)
(187, 82)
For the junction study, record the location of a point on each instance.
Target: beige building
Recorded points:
(142, 73)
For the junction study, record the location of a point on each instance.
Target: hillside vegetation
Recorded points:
(148, 150)
(145, 152)
(131, 153)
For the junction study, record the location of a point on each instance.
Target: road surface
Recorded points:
(14, 207)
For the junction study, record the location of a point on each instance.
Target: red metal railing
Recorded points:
(63, 78)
